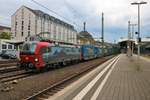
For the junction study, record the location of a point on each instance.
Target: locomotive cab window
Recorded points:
(29, 47)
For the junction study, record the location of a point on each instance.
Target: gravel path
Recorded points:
(26, 87)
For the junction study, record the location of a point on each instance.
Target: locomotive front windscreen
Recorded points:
(29, 47)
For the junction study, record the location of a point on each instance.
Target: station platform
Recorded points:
(120, 78)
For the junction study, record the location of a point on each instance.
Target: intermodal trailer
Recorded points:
(88, 52)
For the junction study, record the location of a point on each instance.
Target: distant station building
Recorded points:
(5, 29)
(144, 44)
(84, 37)
(26, 22)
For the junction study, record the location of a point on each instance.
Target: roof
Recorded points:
(148, 46)
(143, 40)
(47, 16)
(85, 34)
(12, 41)
(4, 27)
(125, 40)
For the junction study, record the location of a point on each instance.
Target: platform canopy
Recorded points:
(15, 42)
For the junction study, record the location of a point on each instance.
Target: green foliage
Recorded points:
(5, 35)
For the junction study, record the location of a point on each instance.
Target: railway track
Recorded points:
(46, 93)
(9, 71)
(4, 70)
(7, 61)
(8, 66)
(14, 76)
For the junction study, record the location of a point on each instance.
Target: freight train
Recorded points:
(44, 55)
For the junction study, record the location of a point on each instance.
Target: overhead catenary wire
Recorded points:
(75, 12)
(83, 18)
(72, 9)
(54, 12)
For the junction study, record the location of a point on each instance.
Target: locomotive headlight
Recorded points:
(36, 59)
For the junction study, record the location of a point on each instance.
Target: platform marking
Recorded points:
(69, 89)
(93, 82)
(97, 92)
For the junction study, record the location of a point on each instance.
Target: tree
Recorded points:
(5, 35)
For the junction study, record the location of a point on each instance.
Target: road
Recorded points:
(121, 78)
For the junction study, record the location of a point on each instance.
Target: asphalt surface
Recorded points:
(121, 78)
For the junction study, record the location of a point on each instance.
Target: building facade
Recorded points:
(26, 22)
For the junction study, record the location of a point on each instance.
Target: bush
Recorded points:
(5, 35)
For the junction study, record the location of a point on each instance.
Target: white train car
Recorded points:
(6, 46)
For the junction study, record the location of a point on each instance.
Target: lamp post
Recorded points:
(102, 37)
(129, 43)
(138, 4)
(132, 25)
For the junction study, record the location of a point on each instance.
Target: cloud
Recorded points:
(117, 13)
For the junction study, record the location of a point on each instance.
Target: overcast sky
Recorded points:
(116, 13)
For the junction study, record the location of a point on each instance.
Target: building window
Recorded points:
(9, 46)
(15, 24)
(54, 31)
(29, 24)
(4, 46)
(15, 33)
(15, 28)
(22, 28)
(21, 33)
(22, 23)
(29, 27)
(22, 13)
(28, 33)
(36, 22)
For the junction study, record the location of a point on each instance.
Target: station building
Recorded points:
(5, 29)
(144, 45)
(26, 22)
(84, 37)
